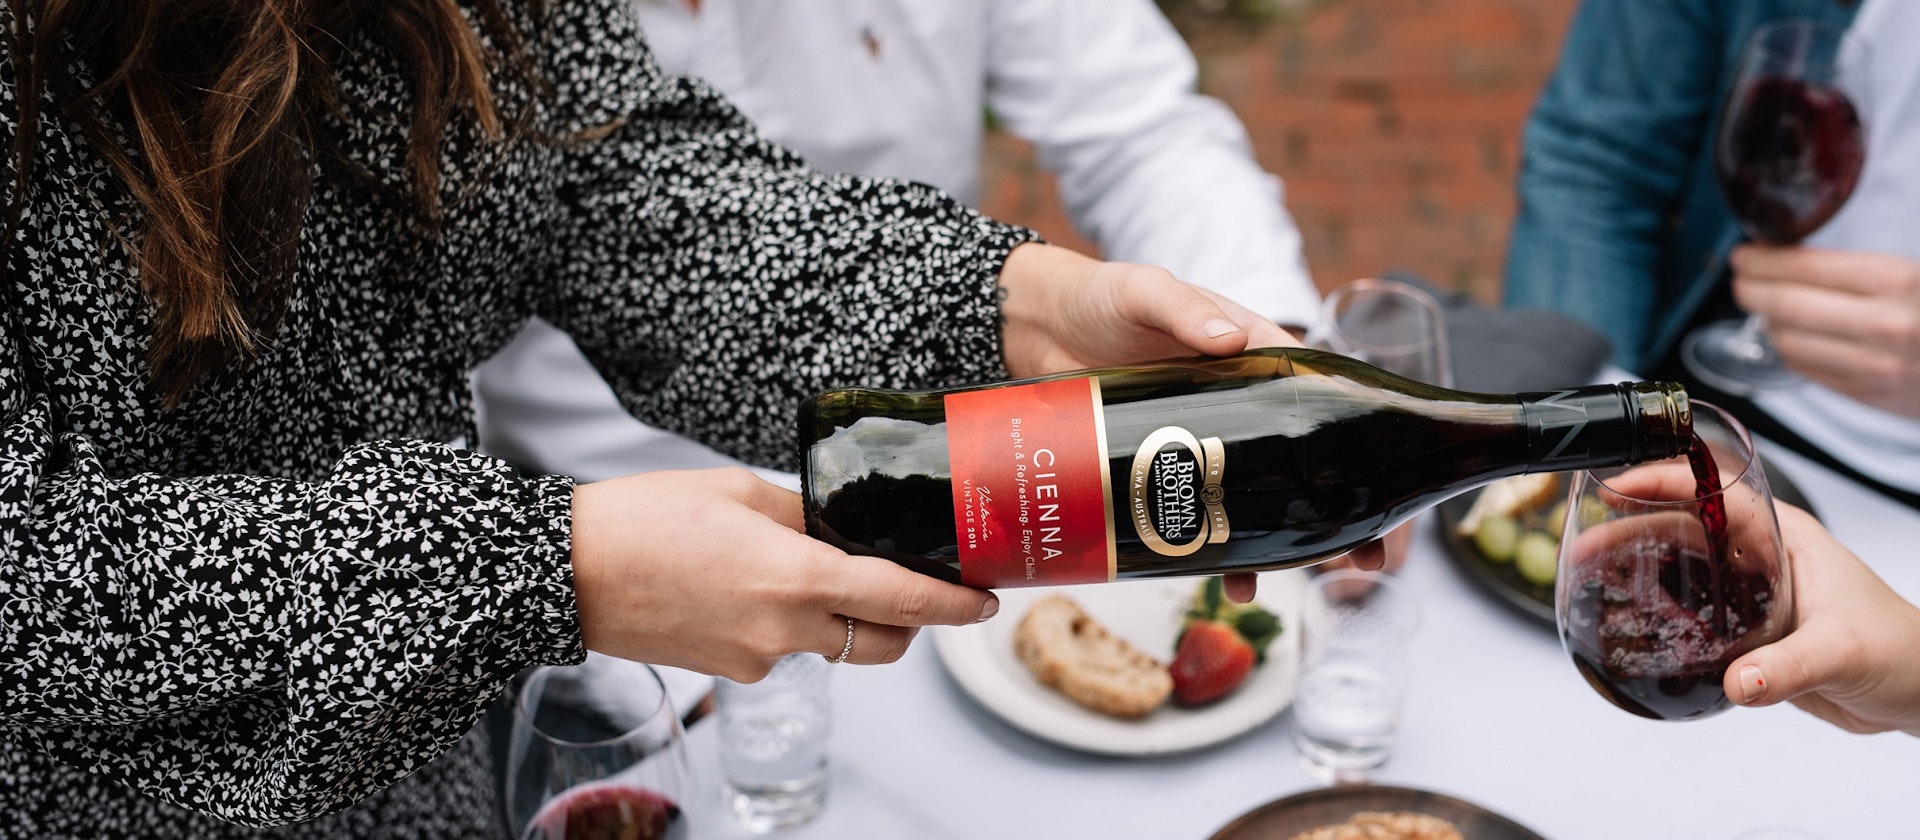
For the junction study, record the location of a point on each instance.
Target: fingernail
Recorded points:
(1753, 687)
(988, 609)
(1221, 326)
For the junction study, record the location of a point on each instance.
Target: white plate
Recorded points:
(1147, 614)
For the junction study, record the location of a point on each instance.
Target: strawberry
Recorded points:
(1210, 663)
(1219, 646)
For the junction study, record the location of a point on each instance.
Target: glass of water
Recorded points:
(773, 743)
(1355, 632)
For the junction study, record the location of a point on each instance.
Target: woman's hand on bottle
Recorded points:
(1849, 659)
(711, 570)
(1065, 311)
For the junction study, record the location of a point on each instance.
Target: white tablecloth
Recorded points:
(1497, 716)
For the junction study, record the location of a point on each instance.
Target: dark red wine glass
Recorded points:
(1670, 570)
(596, 751)
(1788, 153)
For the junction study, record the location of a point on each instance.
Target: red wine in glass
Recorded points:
(1791, 157)
(1789, 152)
(595, 753)
(608, 812)
(1658, 645)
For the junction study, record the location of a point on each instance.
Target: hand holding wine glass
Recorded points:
(1788, 154)
(1671, 570)
(1848, 320)
(1849, 657)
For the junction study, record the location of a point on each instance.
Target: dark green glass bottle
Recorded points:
(1275, 458)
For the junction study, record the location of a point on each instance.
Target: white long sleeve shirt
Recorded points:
(1104, 89)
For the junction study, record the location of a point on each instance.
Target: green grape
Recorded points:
(1537, 557)
(1495, 538)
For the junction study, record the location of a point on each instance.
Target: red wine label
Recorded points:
(1032, 502)
(1174, 492)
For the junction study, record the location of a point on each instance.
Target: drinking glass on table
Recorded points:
(773, 742)
(596, 751)
(1356, 630)
(1670, 570)
(1391, 325)
(1788, 154)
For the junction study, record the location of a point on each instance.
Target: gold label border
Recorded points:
(1211, 453)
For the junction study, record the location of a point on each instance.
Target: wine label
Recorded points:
(1032, 501)
(1174, 492)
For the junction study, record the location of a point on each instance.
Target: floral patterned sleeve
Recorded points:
(266, 606)
(697, 251)
(264, 650)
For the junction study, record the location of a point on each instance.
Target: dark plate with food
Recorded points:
(1506, 536)
(1372, 811)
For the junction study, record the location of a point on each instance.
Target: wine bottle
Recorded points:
(1275, 458)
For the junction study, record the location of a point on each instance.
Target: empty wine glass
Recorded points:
(1670, 570)
(1396, 327)
(596, 751)
(1391, 325)
(1788, 154)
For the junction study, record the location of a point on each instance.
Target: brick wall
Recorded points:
(1395, 124)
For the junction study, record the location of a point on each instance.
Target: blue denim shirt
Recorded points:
(1621, 223)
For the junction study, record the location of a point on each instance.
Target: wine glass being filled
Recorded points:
(1789, 151)
(1670, 570)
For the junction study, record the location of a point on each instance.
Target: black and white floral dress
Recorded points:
(286, 603)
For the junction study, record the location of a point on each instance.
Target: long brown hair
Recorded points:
(221, 102)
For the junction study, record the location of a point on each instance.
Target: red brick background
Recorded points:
(1394, 123)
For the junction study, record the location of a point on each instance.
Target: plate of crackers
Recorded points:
(1372, 812)
(1091, 667)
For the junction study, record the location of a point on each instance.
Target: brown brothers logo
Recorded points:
(1174, 492)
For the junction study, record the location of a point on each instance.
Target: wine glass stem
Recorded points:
(1751, 342)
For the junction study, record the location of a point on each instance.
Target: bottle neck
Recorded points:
(1606, 425)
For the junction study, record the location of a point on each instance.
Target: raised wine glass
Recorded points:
(596, 751)
(1788, 154)
(1670, 570)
